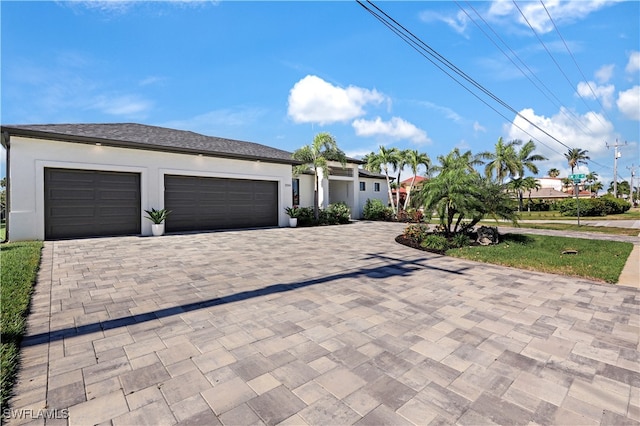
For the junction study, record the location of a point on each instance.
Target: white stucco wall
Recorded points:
(382, 195)
(29, 157)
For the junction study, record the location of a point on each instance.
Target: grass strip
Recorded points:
(571, 227)
(595, 259)
(19, 264)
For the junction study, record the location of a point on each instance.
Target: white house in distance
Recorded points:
(84, 180)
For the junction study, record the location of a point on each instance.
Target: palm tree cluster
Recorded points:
(459, 193)
(394, 160)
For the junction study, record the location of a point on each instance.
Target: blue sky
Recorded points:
(277, 73)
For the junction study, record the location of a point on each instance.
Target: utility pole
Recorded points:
(616, 155)
(633, 173)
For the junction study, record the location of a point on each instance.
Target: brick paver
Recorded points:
(327, 325)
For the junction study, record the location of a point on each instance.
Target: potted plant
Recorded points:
(293, 213)
(157, 217)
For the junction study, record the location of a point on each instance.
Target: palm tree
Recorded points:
(414, 160)
(399, 163)
(519, 185)
(525, 158)
(566, 183)
(380, 162)
(595, 187)
(458, 192)
(575, 157)
(503, 160)
(317, 155)
(553, 173)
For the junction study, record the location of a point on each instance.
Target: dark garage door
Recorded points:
(203, 203)
(87, 203)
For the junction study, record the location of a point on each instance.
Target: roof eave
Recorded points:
(90, 140)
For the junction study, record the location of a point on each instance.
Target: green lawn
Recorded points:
(18, 265)
(570, 227)
(598, 260)
(633, 214)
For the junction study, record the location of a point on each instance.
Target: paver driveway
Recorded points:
(330, 325)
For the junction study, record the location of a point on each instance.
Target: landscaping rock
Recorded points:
(487, 235)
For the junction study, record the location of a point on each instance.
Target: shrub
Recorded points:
(374, 209)
(435, 242)
(416, 232)
(410, 215)
(460, 240)
(337, 213)
(588, 207)
(615, 205)
(537, 205)
(306, 216)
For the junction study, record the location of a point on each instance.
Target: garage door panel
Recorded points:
(217, 203)
(84, 203)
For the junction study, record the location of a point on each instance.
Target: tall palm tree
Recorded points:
(381, 162)
(503, 161)
(317, 155)
(525, 158)
(399, 163)
(414, 160)
(575, 157)
(553, 173)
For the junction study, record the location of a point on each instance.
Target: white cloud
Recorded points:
(588, 131)
(212, 122)
(458, 23)
(313, 100)
(123, 105)
(590, 90)
(561, 12)
(396, 128)
(477, 127)
(629, 103)
(604, 73)
(634, 63)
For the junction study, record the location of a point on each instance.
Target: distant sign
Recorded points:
(577, 176)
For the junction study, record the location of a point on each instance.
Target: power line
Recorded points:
(564, 111)
(421, 46)
(574, 60)
(552, 58)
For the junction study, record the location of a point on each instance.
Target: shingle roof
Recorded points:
(141, 136)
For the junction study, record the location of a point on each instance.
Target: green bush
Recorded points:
(306, 216)
(416, 232)
(375, 209)
(410, 215)
(460, 240)
(615, 205)
(435, 242)
(537, 205)
(337, 213)
(588, 207)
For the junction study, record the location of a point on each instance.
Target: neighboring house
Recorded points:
(79, 180)
(549, 182)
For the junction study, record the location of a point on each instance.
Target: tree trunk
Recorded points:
(316, 200)
(406, 200)
(393, 207)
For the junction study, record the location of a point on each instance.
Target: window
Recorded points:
(363, 186)
(295, 188)
(376, 186)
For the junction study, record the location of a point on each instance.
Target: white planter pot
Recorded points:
(293, 222)
(157, 229)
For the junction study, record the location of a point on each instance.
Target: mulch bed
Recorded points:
(401, 239)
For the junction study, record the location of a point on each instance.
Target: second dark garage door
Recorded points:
(204, 203)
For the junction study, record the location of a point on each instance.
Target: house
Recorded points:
(404, 187)
(79, 180)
